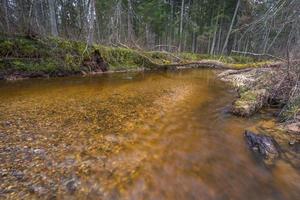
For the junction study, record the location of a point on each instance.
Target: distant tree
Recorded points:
(53, 24)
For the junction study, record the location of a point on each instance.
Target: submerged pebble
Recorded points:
(72, 185)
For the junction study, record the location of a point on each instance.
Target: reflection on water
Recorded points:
(131, 136)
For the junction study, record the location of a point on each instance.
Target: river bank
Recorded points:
(22, 57)
(269, 89)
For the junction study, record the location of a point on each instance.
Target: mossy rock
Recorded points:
(250, 102)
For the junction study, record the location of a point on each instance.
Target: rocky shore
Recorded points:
(262, 89)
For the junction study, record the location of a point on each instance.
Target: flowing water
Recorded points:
(164, 135)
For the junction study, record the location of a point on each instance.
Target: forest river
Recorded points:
(142, 135)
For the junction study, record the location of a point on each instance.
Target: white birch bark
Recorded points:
(231, 26)
(53, 25)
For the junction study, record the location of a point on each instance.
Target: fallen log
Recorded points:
(149, 63)
(259, 55)
(202, 63)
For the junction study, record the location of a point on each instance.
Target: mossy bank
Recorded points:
(23, 57)
(266, 88)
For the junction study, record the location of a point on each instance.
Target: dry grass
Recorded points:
(290, 88)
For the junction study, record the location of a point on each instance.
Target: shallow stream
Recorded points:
(163, 135)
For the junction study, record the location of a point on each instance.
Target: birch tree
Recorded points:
(181, 25)
(5, 9)
(92, 13)
(231, 26)
(53, 25)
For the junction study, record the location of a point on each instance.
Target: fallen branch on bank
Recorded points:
(259, 54)
(178, 59)
(168, 46)
(149, 63)
(20, 58)
(202, 63)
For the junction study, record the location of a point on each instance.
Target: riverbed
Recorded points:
(139, 135)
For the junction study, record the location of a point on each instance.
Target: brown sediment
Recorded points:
(132, 135)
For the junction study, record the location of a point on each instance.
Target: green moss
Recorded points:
(242, 59)
(2, 65)
(243, 89)
(27, 48)
(19, 65)
(22, 47)
(250, 65)
(250, 102)
(157, 55)
(161, 57)
(6, 47)
(79, 47)
(46, 66)
(72, 63)
(61, 44)
(248, 96)
(225, 59)
(57, 54)
(119, 58)
(189, 56)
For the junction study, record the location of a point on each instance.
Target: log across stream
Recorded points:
(142, 135)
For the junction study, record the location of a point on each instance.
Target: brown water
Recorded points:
(140, 135)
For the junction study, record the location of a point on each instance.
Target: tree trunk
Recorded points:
(194, 42)
(129, 22)
(231, 26)
(90, 39)
(29, 18)
(181, 25)
(53, 24)
(219, 40)
(5, 8)
(212, 49)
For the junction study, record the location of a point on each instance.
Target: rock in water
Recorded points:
(265, 145)
(72, 185)
(250, 102)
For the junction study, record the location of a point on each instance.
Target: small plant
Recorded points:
(6, 47)
(71, 63)
(291, 110)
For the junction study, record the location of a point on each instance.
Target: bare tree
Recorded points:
(5, 9)
(92, 14)
(129, 22)
(53, 23)
(181, 25)
(231, 26)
